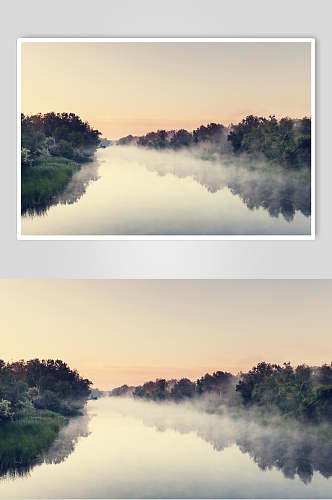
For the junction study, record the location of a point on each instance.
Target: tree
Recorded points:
(184, 388)
(287, 142)
(65, 149)
(6, 412)
(48, 400)
(181, 138)
(212, 133)
(60, 134)
(250, 384)
(219, 382)
(325, 374)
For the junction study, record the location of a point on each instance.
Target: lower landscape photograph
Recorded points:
(165, 389)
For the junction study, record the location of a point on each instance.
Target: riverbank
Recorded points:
(41, 183)
(23, 439)
(53, 146)
(37, 397)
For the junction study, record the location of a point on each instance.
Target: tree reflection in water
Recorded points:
(294, 453)
(278, 191)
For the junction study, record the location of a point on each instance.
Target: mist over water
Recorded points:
(138, 191)
(270, 189)
(135, 449)
(294, 452)
(66, 441)
(78, 184)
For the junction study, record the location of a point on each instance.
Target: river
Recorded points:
(135, 191)
(130, 449)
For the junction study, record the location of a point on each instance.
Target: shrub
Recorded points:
(6, 412)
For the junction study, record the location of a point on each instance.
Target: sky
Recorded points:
(130, 331)
(133, 88)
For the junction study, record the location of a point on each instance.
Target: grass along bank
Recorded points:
(44, 181)
(23, 439)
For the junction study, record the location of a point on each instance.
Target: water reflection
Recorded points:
(148, 192)
(297, 454)
(276, 190)
(294, 453)
(146, 450)
(58, 452)
(78, 184)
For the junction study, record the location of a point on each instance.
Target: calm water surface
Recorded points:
(131, 191)
(126, 449)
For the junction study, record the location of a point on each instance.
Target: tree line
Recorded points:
(285, 142)
(177, 139)
(62, 135)
(40, 385)
(161, 389)
(301, 392)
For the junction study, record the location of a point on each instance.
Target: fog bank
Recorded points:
(294, 452)
(272, 188)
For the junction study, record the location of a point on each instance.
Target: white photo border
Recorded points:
(310, 40)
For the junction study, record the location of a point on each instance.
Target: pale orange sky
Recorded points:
(131, 331)
(123, 88)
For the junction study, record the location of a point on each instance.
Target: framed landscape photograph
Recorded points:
(166, 138)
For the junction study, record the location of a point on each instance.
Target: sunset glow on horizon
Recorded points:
(118, 332)
(137, 87)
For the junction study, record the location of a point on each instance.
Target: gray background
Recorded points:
(166, 259)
